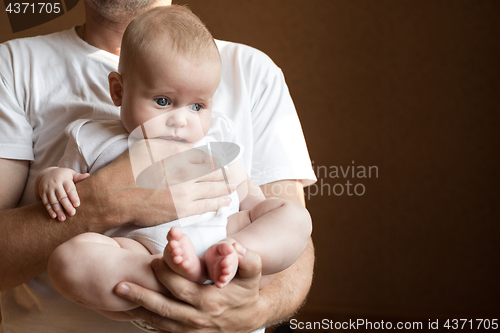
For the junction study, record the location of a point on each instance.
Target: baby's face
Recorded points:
(176, 92)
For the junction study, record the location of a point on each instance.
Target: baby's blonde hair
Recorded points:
(169, 29)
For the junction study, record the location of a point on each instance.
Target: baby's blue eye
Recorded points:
(162, 101)
(195, 107)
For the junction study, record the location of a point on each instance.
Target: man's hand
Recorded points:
(128, 192)
(189, 179)
(202, 308)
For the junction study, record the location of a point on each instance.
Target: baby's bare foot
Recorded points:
(222, 263)
(181, 257)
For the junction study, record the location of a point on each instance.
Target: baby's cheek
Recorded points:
(155, 129)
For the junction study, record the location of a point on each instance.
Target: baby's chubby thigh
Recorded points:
(87, 268)
(237, 222)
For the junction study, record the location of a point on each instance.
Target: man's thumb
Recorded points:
(250, 264)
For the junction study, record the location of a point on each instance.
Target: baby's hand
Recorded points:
(56, 188)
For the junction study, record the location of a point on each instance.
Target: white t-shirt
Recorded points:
(49, 81)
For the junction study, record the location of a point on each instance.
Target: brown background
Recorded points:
(412, 88)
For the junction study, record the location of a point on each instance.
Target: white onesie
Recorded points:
(94, 144)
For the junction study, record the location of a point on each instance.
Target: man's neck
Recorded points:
(102, 33)
(106, 31)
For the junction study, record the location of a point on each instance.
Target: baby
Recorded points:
(169, 71)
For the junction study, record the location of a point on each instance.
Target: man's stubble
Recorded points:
(123, 10)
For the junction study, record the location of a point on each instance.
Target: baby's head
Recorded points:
(169, 70)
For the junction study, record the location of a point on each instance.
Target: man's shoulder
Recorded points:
(36, 41)
(241, 53)
(28, 47)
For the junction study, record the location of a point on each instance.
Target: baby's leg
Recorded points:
(278, 230)
(181, 257)
(87, 268)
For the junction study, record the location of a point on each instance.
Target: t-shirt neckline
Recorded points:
(90, 49)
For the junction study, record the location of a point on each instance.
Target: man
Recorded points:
(47, 82)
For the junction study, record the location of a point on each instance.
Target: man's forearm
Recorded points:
(27, 234)
(27, 237)
(109, 198)
(288, 289)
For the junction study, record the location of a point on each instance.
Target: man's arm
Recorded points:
(109, 198)
(12, 178)
(238, 307)
(28, 235)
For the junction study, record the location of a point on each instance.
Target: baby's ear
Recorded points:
(115, 88)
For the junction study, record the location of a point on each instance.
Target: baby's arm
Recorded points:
(56, 188)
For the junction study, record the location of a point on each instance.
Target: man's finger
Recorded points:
(249, 265)
(162, 324)
(183, 289)
(202, 197)
(209, 190)
(140, 295)
(151, 300)
(207, 205)
(212, 176)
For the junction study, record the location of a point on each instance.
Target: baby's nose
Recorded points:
(177, 118)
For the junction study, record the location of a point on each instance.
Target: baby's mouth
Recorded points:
(169, 137)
